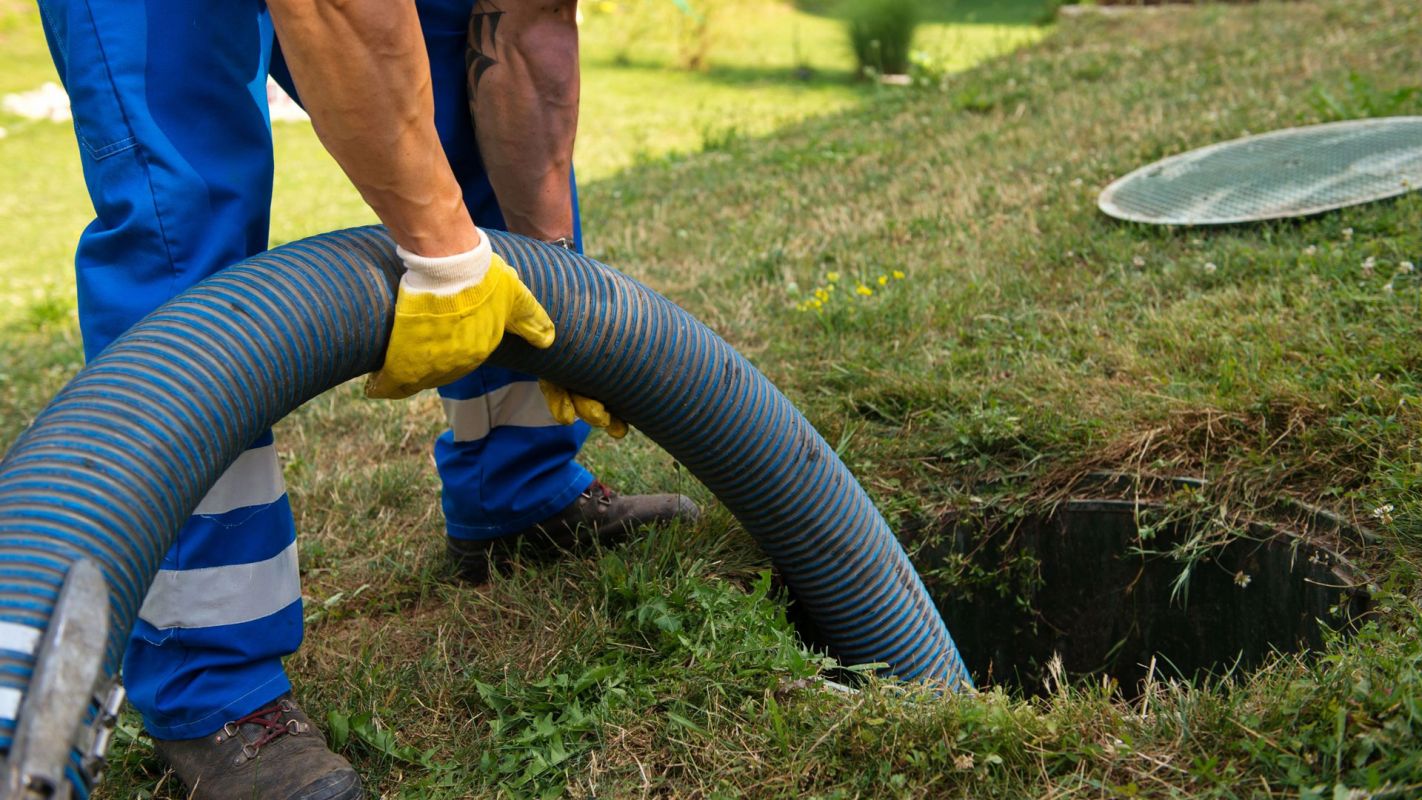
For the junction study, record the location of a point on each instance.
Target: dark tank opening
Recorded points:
(1116, 586)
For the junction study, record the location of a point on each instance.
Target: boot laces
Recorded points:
(272, 727)
(599, 491)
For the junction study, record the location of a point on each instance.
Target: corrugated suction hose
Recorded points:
(115, 464)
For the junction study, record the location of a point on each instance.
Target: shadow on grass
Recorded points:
(746, 75)
(981, 12)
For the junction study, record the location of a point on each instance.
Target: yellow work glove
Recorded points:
(567, 407)
(450, 314)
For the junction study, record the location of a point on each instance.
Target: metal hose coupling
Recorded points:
(70, 705)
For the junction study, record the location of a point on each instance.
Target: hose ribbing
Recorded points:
(112, 468)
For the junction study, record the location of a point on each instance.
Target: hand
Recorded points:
(450, 314)
(567, 407)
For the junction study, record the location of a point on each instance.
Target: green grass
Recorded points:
(770, 64)
(42, 202)
(631, 113)
(1030, 342)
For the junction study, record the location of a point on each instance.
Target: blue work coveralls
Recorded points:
(170, 111)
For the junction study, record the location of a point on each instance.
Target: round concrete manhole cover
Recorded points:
(1288, 173)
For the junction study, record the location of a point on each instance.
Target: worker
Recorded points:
(170, 112)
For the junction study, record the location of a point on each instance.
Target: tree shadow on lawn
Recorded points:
(966, 12)
(729, 75)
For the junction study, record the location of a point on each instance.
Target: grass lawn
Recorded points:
(632, 112)
(1030, 342)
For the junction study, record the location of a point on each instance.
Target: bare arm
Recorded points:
(363, 72)
(523, 92)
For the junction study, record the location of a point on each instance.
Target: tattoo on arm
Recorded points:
(483, 42)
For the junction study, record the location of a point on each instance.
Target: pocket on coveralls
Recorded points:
(99, 121)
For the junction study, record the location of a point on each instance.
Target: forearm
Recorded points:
(523, 88)
(364, 77)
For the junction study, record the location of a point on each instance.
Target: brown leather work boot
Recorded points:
(599, 514)
(273, 753)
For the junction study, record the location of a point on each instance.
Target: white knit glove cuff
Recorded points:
(446, 274)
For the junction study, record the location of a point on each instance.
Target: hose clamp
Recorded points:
(95, 741)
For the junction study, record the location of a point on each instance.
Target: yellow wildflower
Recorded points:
(898, 274)
(831, 276)
(883, 280)
(864, 290)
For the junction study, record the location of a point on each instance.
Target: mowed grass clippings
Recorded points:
(1029, 341)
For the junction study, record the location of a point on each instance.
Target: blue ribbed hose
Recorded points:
(115, 464)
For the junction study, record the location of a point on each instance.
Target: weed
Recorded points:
(538, 726)
(363, 729)
(49, 309)
(881, 34)
(843, 305)
(721, 138)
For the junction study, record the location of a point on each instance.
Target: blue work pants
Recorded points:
(171, 117)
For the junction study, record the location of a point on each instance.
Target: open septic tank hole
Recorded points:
(1111, 591)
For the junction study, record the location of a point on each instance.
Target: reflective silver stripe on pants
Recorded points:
(254, 479)
(518, 405)
(211, 596)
